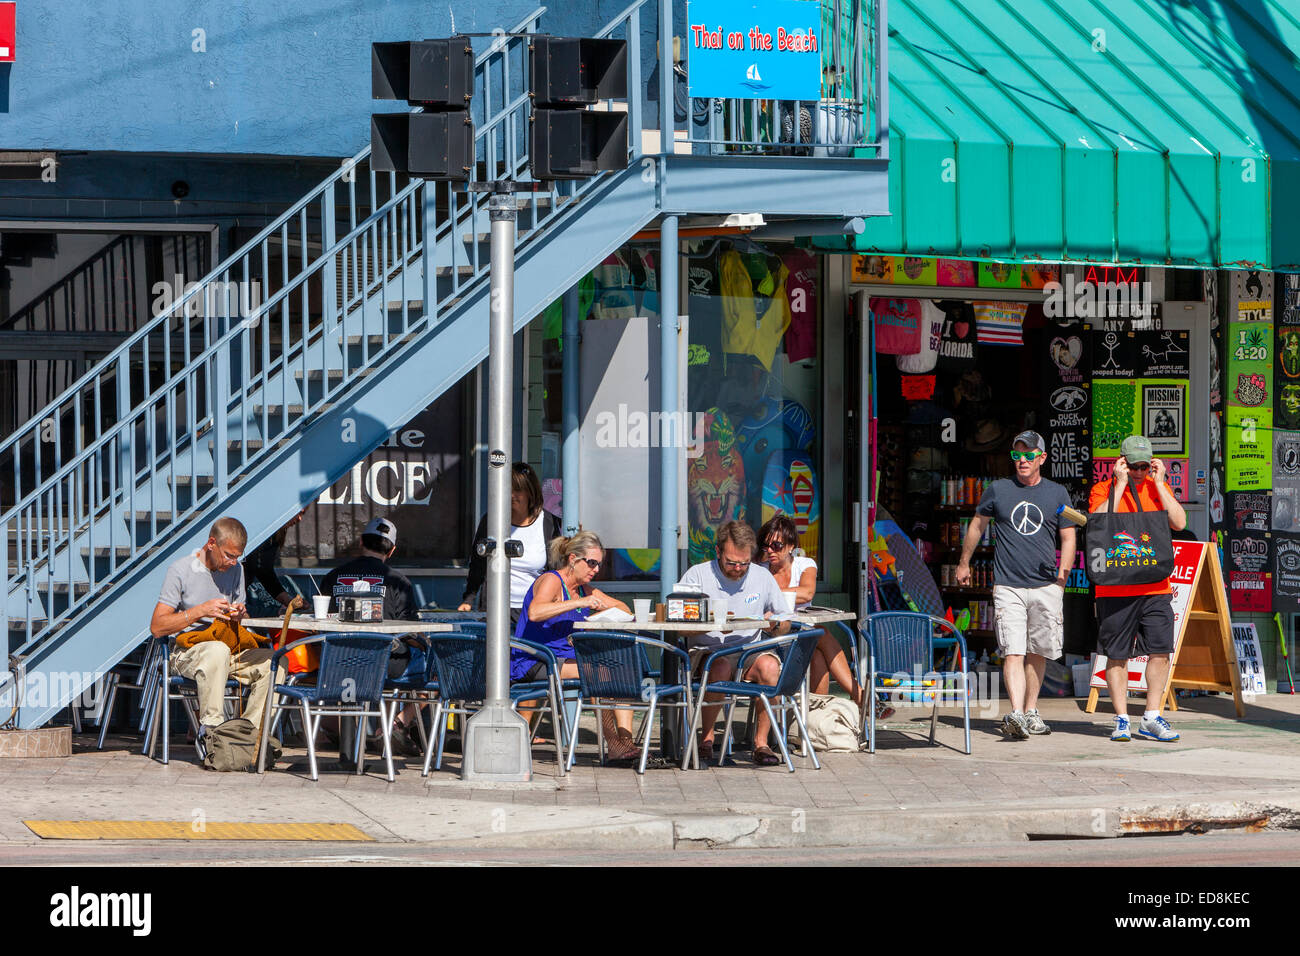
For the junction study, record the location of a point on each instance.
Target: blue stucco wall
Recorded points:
(281, 78)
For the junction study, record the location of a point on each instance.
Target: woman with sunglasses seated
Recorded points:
(556, 600)
(798, 573)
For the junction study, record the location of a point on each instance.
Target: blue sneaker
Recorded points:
(1157, 729)
(1121, 729)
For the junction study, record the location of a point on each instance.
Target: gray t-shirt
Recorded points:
(1025, 521)
(752, 596)
(189, 583)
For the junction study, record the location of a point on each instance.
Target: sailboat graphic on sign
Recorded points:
(753, 80)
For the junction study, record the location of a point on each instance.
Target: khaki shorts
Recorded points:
(1029, 620)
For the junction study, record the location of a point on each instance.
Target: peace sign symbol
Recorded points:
(1027, 518)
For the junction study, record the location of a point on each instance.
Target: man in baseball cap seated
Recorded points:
(1144, 610)
(378, 544)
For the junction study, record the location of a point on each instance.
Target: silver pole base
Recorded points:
(497, 746)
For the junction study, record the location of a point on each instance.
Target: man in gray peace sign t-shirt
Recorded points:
(1028, 581)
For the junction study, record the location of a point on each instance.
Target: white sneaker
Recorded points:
(1035, 724)
(1157, 729)
(1013, 727)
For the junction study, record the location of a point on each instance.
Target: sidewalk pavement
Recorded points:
(1224, 773)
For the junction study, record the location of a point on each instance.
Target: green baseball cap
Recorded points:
(1136, 450)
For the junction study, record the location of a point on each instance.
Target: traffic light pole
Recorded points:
(498, 744)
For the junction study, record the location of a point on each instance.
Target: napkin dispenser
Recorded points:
(360, 606)
(687, 605)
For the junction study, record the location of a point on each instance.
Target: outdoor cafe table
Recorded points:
(672, 632)
(332, 625)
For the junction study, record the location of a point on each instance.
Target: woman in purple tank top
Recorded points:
(553, 603)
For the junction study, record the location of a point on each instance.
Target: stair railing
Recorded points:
(67, 475)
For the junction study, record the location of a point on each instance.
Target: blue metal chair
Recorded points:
(900, 647)
(177, 688)
(615, 667)
(457, 669)
(412, 686)
(799, 648)
(127, 676)
(349, 682)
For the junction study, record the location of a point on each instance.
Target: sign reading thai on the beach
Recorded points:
(754, 51)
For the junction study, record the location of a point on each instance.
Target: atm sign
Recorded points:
(8, 31)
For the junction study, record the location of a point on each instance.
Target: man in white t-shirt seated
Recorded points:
(750, 592)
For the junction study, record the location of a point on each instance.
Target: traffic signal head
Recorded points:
(577, 71)
(575, 144)
(435, 74)
(428, 145)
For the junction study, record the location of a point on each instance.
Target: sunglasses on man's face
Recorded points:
(1145, 466)
(1027, 455)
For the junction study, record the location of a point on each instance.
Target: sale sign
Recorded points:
(8, 31)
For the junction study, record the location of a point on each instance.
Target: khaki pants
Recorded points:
(211, 664)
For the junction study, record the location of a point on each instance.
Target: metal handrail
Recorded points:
(278, 223)
(77, 481)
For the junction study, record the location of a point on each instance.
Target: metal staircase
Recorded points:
(321, 335)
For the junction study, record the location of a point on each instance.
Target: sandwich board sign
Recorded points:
(1205, 656)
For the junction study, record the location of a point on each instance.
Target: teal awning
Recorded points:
(1136, 131)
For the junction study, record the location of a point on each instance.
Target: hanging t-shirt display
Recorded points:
(1248, 511)
(1286, 574)
(1000, 323)
(801, 289)
(1286, 481)
(752, 324)
(645, 280)
(1066, 410)
(1215, 483)
(1249, 558)
(957, 343)
(1286, 371)
(1248, 446)
(896, 325)
(615, 291)
(931, 330)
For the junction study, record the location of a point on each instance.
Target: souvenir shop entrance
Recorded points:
(952, 372)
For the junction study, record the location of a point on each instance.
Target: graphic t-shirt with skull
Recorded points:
(1024, 525)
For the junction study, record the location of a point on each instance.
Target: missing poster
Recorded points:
(1164, 416)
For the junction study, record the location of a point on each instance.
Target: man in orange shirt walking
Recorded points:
(1137, 619)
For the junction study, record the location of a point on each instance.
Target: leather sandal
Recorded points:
(765, 757)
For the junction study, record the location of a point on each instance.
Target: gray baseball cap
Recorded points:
(1136, 450)
(1032, 439)
(382, 528)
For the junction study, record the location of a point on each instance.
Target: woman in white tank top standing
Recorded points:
(532, 526)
